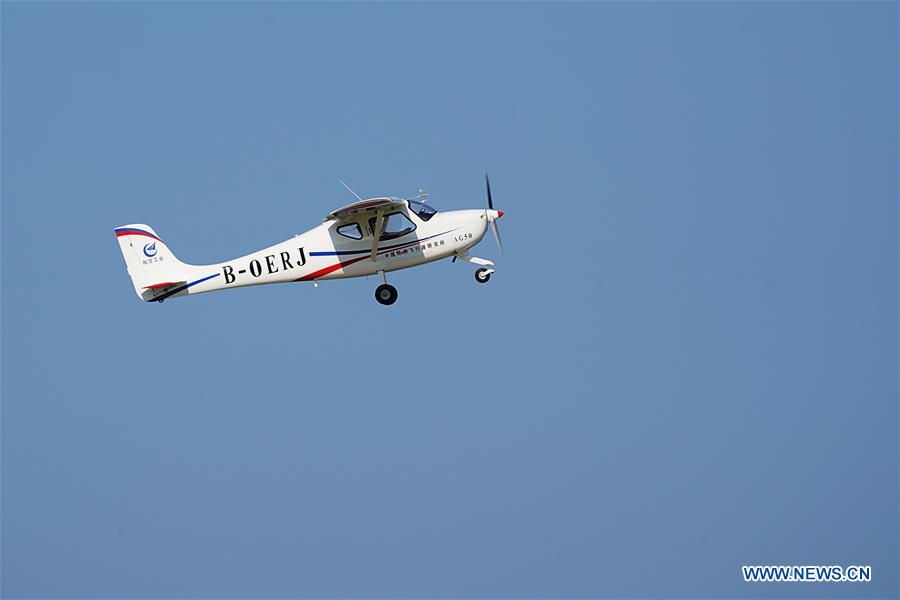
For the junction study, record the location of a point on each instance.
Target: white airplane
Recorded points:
(368, 237)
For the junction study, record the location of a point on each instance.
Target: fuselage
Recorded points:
(328, 252)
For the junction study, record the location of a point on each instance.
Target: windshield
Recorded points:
(424, 211)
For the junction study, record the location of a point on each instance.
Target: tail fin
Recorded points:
(150, 263)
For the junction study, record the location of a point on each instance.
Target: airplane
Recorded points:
(368, 237)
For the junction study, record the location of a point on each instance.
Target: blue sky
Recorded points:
(686, 362)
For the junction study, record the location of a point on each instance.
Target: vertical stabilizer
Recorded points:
(150, 263)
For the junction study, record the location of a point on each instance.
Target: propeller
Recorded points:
(492, 219)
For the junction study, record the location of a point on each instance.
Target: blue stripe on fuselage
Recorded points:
(162, 297)
(349, 252)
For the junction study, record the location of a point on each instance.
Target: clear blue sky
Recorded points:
(687, 361)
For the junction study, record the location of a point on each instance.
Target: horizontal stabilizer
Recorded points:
(152, 292)
(161, 285)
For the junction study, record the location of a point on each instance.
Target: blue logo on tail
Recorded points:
(150, 249)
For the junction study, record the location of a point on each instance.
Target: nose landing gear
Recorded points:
(483, 274)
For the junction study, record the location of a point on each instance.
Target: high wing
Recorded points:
(370, 206)
(377, 207)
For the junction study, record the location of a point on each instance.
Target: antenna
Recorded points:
(423, 194)
(351, 191)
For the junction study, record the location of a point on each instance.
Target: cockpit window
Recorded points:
(424, 211)
(395, 225)
(351, 231)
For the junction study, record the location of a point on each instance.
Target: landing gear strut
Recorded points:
(483, 274)
(385, 293)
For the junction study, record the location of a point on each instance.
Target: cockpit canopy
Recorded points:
(423, 210)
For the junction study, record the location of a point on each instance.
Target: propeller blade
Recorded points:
(488, 183)
(497, 236)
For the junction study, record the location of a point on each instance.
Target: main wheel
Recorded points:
(482, 275)
(386, 294)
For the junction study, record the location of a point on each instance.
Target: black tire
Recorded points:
(482, 275)
(386, 294)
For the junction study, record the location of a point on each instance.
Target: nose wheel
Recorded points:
(486, 267)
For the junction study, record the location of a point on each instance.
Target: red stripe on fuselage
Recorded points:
(330, 269)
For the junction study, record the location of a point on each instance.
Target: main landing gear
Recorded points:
(482, 275)
(385, 293)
